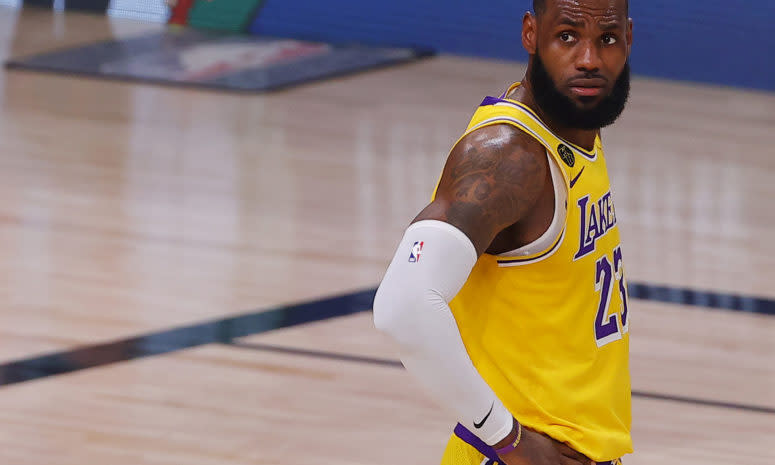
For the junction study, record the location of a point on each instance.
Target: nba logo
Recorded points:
(414, 255)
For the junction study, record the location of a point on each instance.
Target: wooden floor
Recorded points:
(128, 208)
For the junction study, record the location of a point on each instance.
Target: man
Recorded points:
(507, 294)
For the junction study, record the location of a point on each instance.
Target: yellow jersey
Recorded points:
(549, 331)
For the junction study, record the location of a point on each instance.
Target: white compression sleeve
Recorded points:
(430, 267)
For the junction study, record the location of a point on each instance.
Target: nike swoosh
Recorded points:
(573, 181)
(480, 424)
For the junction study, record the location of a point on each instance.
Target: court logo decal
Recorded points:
(566, 155)
(414, 255)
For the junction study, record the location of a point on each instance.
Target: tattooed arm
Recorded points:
(493, 177)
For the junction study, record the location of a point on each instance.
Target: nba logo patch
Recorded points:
(414, 255)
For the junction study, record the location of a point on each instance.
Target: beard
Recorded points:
(564, 111)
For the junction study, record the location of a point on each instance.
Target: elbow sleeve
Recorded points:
(430, 267)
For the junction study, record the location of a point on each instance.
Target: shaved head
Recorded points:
(539, 6)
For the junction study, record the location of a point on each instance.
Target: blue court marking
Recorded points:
(706, 299)
(397, 364)
(225, 330)
(185, 337)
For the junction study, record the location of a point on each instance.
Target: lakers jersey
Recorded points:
(548, 328)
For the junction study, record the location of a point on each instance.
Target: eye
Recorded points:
(609, 39)
(566, 37)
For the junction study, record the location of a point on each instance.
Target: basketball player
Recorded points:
(507, 294)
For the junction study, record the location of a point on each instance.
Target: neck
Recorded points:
(582, 137)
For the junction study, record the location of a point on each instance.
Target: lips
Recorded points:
(587, 87)
(587, 91)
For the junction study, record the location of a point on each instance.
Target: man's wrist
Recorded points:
(515, 432)
(510, 446)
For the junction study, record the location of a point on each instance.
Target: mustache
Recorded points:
(588, 76)
(562, 108)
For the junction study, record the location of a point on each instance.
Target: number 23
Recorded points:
(607, 328)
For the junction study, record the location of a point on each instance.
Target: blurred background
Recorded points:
(199, 198)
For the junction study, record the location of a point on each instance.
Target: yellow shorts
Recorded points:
(464, 448)
(459, 452)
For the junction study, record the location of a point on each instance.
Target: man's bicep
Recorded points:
(465, 216)
(492, 178)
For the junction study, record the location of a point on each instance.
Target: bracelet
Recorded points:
(513, 445)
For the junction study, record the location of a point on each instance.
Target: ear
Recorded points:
(629, 36)
(529, 32)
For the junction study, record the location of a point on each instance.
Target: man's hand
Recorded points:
(538, 449)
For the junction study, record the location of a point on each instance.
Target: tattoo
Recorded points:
(492, 178)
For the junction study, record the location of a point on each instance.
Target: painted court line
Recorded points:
(397, 364)
(225, 330)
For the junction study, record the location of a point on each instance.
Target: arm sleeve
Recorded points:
(429, 268)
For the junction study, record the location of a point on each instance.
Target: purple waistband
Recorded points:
(463, 433)
(475, 442)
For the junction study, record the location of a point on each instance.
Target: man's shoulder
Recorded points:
(492, 178)
(492, 145)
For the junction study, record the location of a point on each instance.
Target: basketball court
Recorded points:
(186, 274)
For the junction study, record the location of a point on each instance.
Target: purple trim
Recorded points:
(469, 438)
(494, 100)
(473, 441)
(490, 101)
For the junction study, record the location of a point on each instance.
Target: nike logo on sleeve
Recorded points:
(481, 423)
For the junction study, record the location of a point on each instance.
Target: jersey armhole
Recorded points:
(551, 239)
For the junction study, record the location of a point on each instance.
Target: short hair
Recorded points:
(539, 6)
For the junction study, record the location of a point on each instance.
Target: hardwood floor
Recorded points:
(132, 208)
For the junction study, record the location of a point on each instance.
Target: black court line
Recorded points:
(319, 354)
(706, 299)
(186, 337)
(398, 364)
(705, 402)
(226, 329)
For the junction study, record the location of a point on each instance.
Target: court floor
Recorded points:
(168, 258)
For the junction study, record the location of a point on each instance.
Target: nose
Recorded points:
(588, 58)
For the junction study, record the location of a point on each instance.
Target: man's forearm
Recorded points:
(430, 267)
